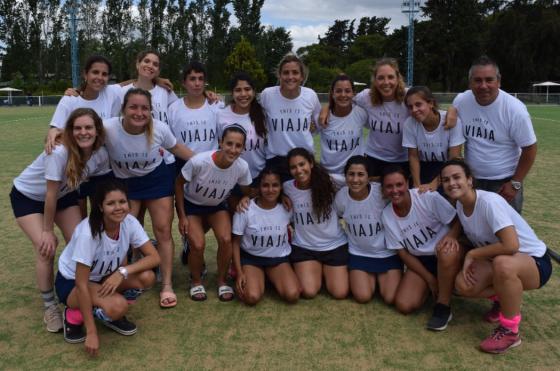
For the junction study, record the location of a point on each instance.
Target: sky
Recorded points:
(306, 19)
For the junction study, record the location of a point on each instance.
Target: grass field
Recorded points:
(314, 334)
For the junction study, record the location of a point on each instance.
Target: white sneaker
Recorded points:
(53, 318)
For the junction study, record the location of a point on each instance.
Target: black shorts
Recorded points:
(544, 265)
(429, 262)
(23, 205)
(335, 257)
(194, 209)
(376, 166)
(374, 265)
(261, 261)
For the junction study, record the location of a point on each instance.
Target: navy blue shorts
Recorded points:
(87, 189)
(376, 166)
(335, 257)
(157, 184)
(429, 262)
(429, 170)
(544, 265)
(23, 205)
(280, 164)
(63, 287)
(194, 209)
(261, 261)
(179, 163)
(374, 265)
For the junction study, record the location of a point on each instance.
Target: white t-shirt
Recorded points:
(492, 213)
(103, 255)
(424, 226)
(289, 120)
(364, 228)
(106, 105)
(32, 182)
(161, 99)
(254, 152)
(385, 124)
(130, 154)
(433, 146)
(312, 232)
(195, 128)
(209, 185)
(342, 139)
(495, 134)
(265, 232)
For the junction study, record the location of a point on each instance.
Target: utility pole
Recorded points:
(75, 61)
(410, 7)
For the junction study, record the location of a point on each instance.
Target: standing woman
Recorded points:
(45, 194)
(429, 144)
(290, 109)
(319, 247)
(204, 185)
(361, 204)
(417, 225)
(134, 143)
(92, 272)
(342, 138)
(261, 246)
(508, 257)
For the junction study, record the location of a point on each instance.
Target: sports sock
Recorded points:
(511, 324)
(48, 298)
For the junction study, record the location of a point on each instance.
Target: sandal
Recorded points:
(225, 293)
(167, 298)
(198, 293)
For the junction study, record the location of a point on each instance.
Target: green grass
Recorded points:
(318, 334)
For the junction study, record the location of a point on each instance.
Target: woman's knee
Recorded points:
(224, 240)
(147, 279)
(116, 308)
(405, 305)
(361, 296)
(252, 297)
(291, 294)
(503, 267)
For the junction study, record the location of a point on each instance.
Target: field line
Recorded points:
(545, 119)
(24, 119)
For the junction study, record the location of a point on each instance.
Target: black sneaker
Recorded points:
(440, 318)
(122, 326)
(73, 334)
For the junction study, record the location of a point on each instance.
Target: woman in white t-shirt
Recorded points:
(261, 244)
(290, 110)
(45, 194)
(319, 245)
(507, 257)
(204, 185)
(417, 226)
(93, 274)
(429, 143)
(343, 135)
(361, 204)
(134, 142)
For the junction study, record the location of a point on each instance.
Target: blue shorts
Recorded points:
(429, 262)
(195, 209)
(335, 257)
(87, 189)
(376, 166)
(157, 184)
(23, 205)
(261, 261)
(374, 265)
(63, 287)
(179, 163)
(280, 164)
(429, 170)
(544, 265)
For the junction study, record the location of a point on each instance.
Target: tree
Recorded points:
(274, 44)
(243, 58)
(248, 14)
(157, 19)
(218, 43)
(373, 25)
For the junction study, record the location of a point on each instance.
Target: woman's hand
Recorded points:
(433, 286)
(447, 245)
(240, 283)
(110, 285)
(243, 204)
(324, 116)
(51, 140)
(164, 83)
(468, 270)
(183, 225)
(287, 203)
(92, 344)
(71, 92)
(49, 242)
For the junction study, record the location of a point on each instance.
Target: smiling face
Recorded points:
(232, 145)
(357, 179)
(386, 82)
(148, 66)
(97, 76)
(455, 182)
(485, 84)
(137, 112)
(84, 132)
(419, 108)
(243, 95)
(291, 76)
(395, 188)
(114, 207)
(300, 169)
(342, 94)
(270, 188)
(194, 83)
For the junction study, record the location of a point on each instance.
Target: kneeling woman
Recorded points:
(91, 270)
(319, 247)
(508, 256)
(361, 204)
(417, 226)
(261, 246)
(204, 185)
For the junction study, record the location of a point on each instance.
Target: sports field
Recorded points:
(314, 334)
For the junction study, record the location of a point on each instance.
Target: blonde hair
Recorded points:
(149, 130)
(77, 162)
(376, 98)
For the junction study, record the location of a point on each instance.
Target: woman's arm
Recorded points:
(240, 280)
(49, 242)
(181, 151)
(454, 152)
(85, 303)
(51, 140)
(450, 118)
(180, 205)
(414, 163)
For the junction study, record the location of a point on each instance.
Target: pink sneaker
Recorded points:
(493, 315)
(501, 340)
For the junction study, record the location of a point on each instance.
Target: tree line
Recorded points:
(522, 35)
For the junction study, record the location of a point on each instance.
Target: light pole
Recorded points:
(410, 7)
(75, 62)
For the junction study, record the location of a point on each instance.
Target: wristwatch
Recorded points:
(515, 184)
(124, 272)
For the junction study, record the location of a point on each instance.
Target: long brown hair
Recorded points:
(96, 213)
(76, 159)
(150, 125)
(256, 113)
(376, 98)
(89, 63)
(341, 77)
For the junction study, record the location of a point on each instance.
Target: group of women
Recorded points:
(248, 172)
